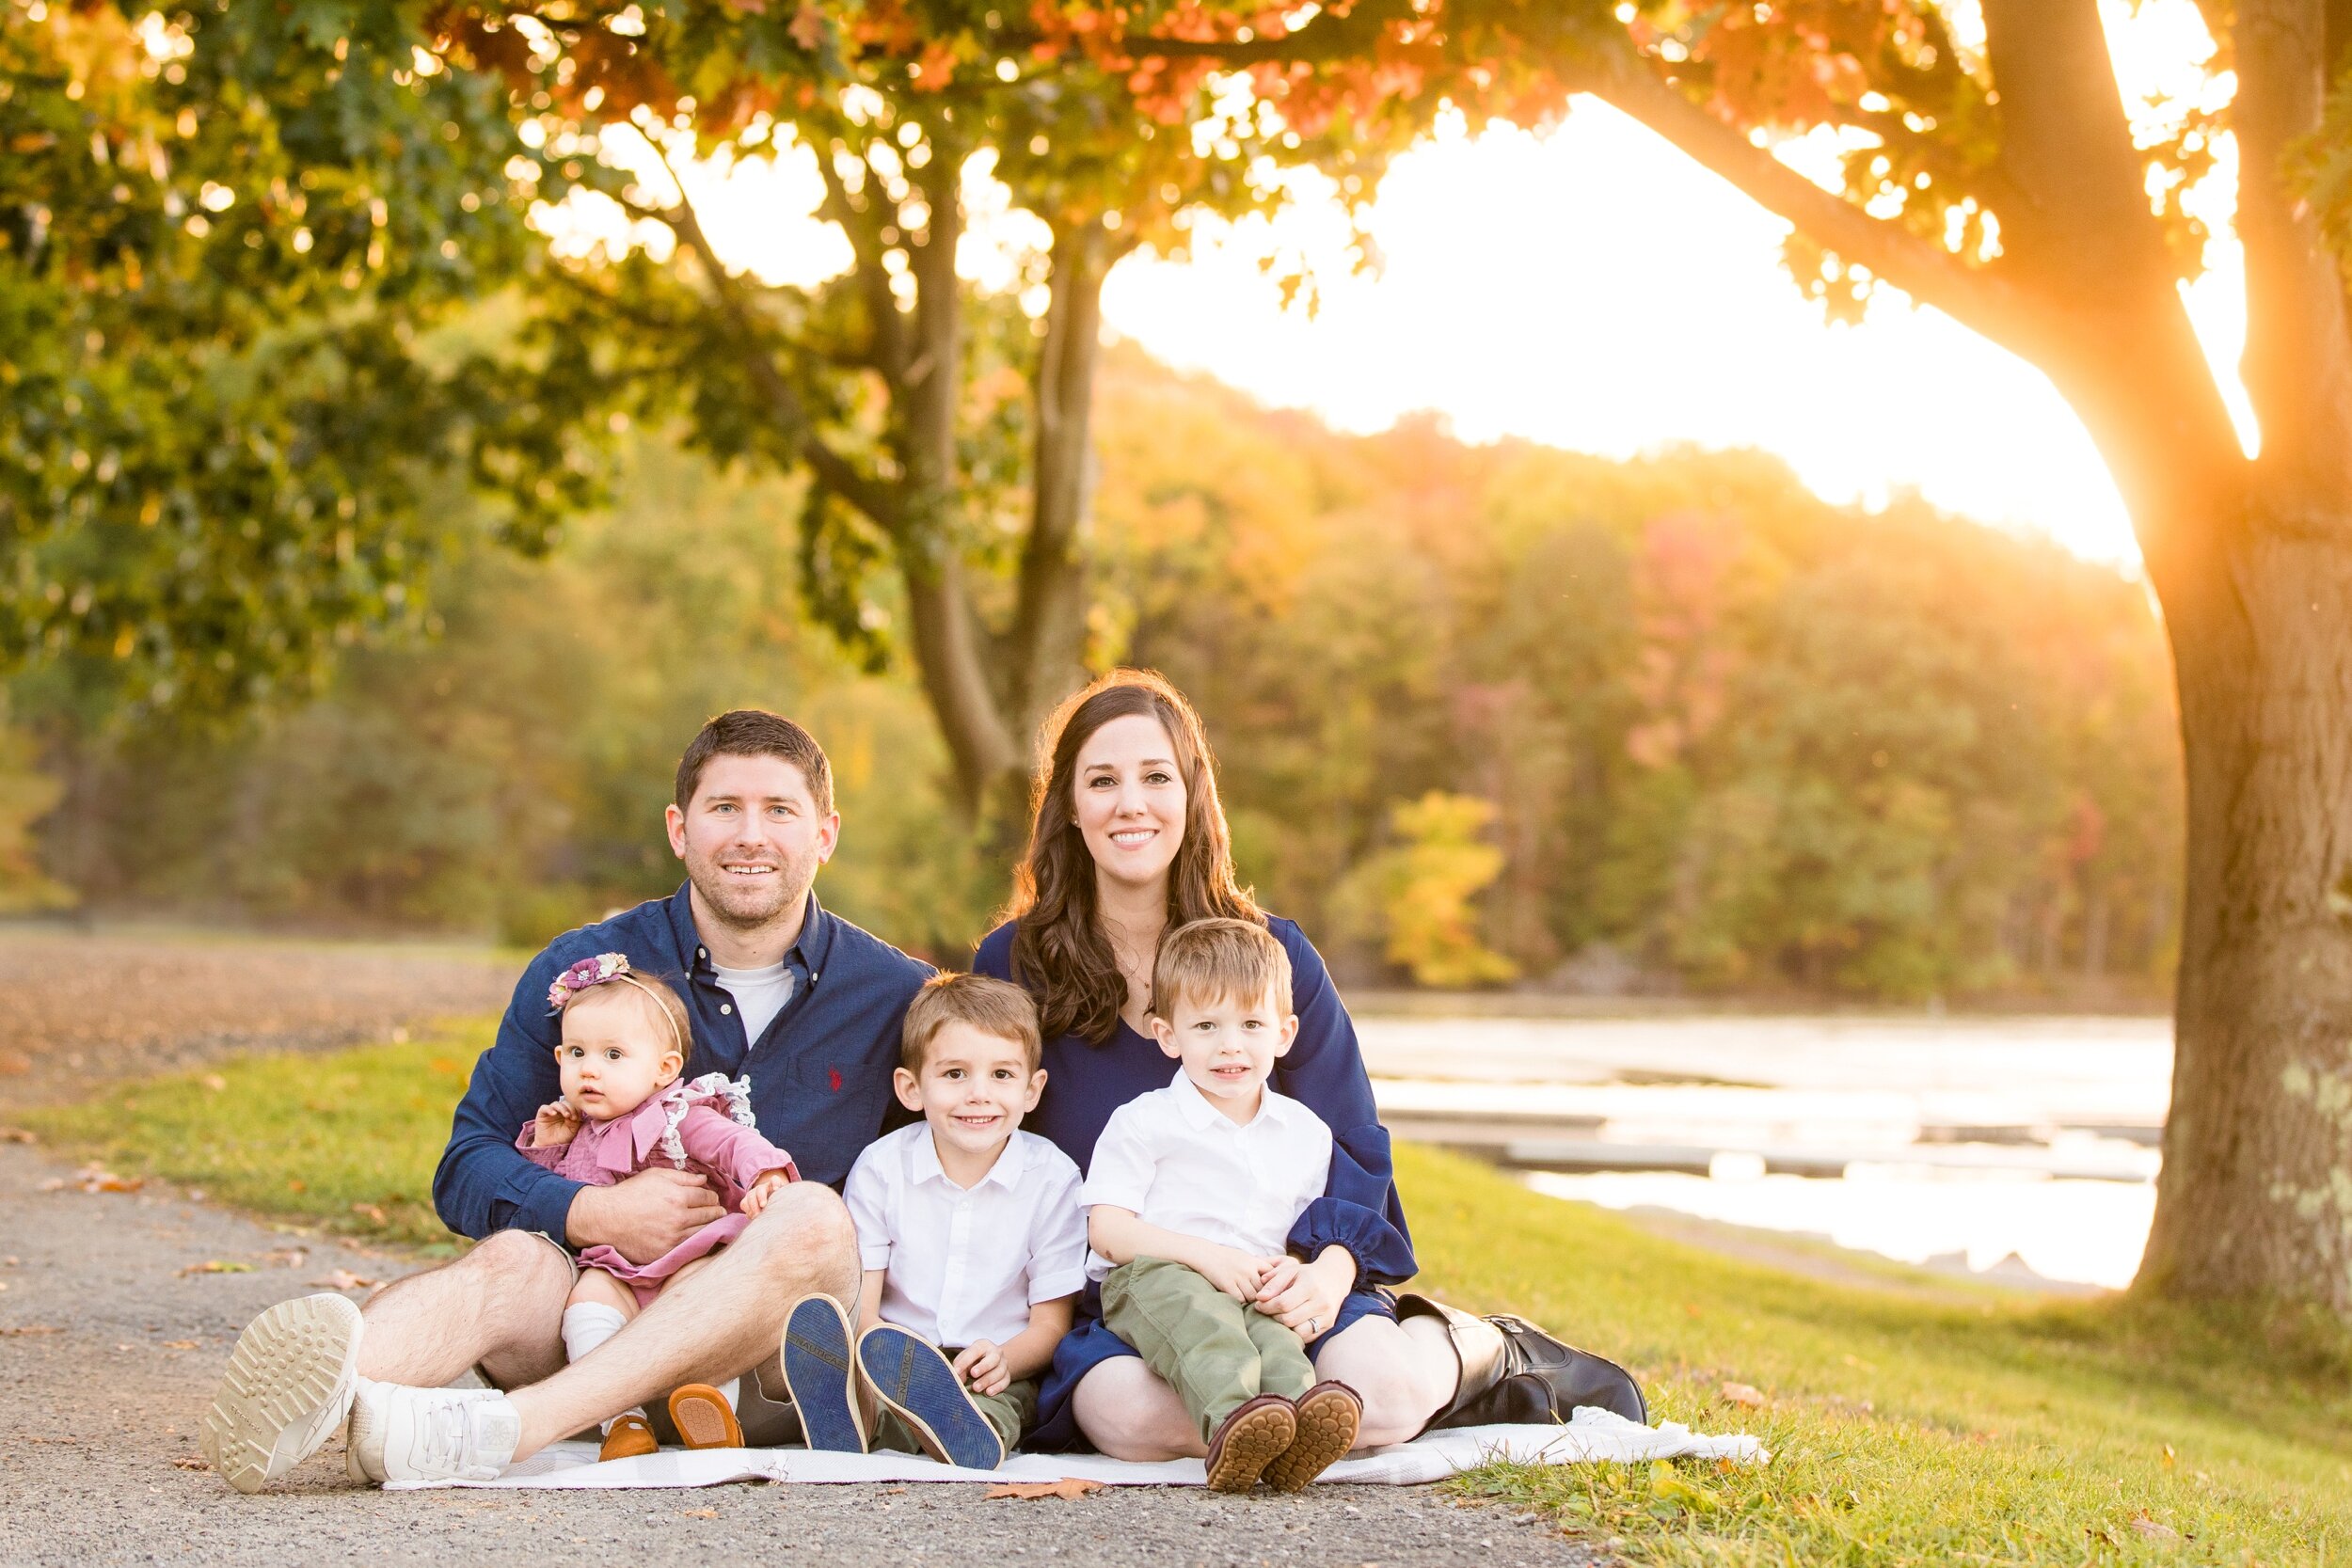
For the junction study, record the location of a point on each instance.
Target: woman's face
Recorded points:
(1130, 800)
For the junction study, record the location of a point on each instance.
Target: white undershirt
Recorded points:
(759, 995)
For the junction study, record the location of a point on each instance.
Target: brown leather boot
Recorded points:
(1249, 1440)
(1329, 1415)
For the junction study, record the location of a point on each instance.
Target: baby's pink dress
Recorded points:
(704, 1126)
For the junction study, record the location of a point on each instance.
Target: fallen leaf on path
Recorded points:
(179, 1344)
(17, 1135)
(214, 1265)
(370, 1212)
(20, 1330)
(344, 1279)
(286, 1257)
(699, 1513)
(191, 1462)
(1068, 1486)
(1747, 1396)
(95, 1179)
(2154, 1530)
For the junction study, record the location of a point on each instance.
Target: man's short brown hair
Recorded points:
(1211, 959)
(992, 1007)
(751, 732)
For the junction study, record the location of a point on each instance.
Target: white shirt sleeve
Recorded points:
(1123, 1164)
(1058, 1240)
(867, 1193)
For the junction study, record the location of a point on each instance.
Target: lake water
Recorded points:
(1997, 1145)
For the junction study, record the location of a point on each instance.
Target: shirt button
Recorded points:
(726, 1007)
(702, 953)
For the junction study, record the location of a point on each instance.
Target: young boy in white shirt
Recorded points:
(1190, 1196)
(971, 1237)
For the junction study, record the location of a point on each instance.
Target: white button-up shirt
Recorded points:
(1177, 1161)
(965, 1264)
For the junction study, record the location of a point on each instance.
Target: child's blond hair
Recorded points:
(1211, 959)
(992, 1007)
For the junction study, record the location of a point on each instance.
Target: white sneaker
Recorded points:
(363, 1434)
(288, 1385)
(410, 1435)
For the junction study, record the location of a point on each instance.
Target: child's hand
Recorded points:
(1232, 1271)
(982, 1365)
(756, 1196)
(555, 1124)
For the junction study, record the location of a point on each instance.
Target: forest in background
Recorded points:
(1486, 715)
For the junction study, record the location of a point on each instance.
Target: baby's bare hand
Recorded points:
(556, 1123)
(756, 1196)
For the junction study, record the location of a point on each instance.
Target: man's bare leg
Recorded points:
(725, 1319)
(501, 1308)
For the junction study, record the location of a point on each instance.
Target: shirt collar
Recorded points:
(923, 1163)
(1197, 1113)
(814, 945)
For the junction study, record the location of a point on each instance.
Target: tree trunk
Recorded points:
(2256, 1193)
(1048, 644)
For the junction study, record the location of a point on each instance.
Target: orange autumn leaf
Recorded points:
(1068, 1486)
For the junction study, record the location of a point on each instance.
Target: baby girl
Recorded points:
(625, 1043)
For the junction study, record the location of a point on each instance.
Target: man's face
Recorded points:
(752, 838)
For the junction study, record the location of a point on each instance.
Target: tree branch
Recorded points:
(837, 472)
(889, 350)
(1975, 296)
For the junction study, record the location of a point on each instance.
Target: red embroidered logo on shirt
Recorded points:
(835, 1076)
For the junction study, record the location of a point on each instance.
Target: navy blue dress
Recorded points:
(1324, 1069)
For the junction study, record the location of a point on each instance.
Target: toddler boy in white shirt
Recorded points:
(971, 1237)
(1191, 1196)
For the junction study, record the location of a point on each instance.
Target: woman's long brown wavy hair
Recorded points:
(1058, 949)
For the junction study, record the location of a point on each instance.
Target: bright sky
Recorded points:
(1595, 290)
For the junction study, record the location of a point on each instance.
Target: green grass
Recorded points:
(344, 1142)
(1927, 1424)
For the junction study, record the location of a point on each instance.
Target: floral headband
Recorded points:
(602, 970)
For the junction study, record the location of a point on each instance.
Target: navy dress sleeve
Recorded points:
(484, 1184)
(1324, 1070)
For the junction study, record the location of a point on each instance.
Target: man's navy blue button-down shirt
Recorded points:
(820, 1073)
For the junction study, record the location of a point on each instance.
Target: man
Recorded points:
(805, 1003)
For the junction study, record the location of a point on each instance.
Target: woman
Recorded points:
(1129, 841)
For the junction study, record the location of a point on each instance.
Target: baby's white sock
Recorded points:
(586, 1325)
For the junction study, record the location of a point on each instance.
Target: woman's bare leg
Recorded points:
(1126, 1411)
(1404, 1372)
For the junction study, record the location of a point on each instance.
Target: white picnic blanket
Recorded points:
(1592, 1434)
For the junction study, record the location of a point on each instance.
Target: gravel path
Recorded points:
(82, 1007)
(97, 1417)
